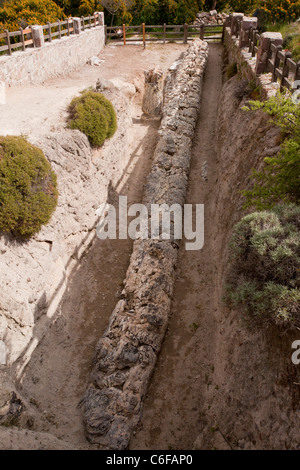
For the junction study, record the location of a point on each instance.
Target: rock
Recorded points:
(95, 61)
(115, 84)
(153, 94)
(124, 87)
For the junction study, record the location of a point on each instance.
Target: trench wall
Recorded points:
(127, 352)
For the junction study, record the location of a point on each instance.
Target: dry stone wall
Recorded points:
(126, 354)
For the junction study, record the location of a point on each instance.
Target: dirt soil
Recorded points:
(36, 110)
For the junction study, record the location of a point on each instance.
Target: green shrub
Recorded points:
(264, 278)
(28, 188)
(94, 115)
(279, 180)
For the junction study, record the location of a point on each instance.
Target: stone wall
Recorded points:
(246, 65)
(59, 57)
(127, 352)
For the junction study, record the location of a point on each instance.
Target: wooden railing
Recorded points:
(162, 33)
(279, 63)
(21, 39)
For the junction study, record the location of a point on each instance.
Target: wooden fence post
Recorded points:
(144, 35)
(124, 34)
(165, 30)
(297, 73)
(49, 31)
(276, 63)
(22, 39)
(185, 33)
(90, 22)
(285, 70)
(250, 38)
(255, 32)
(82, 19)
(8, 41)
(59, 29)
(202, 32)
(223, 33)
(105, 34)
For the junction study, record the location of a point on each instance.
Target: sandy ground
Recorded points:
(57, 375)
(37, 110)
(171, 421)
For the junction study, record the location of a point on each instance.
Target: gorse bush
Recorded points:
(279, 180)
(16, 13)
(94, 115)
(264, 279)
(28, 188)
(284, 11)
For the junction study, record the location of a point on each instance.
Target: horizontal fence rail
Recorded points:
(162, 33)
(23, 38)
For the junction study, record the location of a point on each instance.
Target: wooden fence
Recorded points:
(279, 63)
(23, 38)
(162, 33)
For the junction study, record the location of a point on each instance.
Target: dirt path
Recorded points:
(175, 408)
(40, 109)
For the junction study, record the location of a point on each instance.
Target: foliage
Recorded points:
(242, 6)
(279, 180)
(117, 9)
(281, 11)
(16, 13)
(86, 7)
(28, 188)
(94, 115)
(264, 280)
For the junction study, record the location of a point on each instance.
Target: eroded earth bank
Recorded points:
(217, 384)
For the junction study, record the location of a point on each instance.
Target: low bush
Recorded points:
(279, 179)
(264, 278)
(28, 187)
(94, 115)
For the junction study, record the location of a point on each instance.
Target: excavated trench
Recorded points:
(170, 421)
(216, 385)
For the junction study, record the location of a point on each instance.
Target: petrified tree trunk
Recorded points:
(153, 96)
